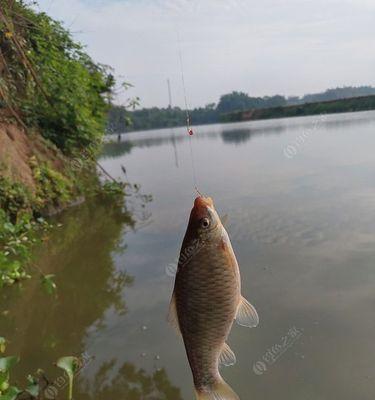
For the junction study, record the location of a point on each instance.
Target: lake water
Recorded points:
(300, 199)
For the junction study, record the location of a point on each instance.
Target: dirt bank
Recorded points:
(18, 147)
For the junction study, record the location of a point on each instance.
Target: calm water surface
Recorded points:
(302, 223)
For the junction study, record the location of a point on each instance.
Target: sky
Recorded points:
(261, 47)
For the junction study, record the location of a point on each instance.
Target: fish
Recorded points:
(207, 299)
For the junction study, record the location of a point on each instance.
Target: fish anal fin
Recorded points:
(227, 357)
(219, 391)
(247, 314)
(172, 315)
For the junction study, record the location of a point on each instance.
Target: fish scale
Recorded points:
(210, 295)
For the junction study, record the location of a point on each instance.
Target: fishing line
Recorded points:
(188, 119)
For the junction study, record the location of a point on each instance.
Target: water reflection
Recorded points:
(230, 133)
(175, 148)
(174, 137)
(237, 136)
(304, 233)
(69, 255)
(130, 383)
(117, 149)
(81, 253)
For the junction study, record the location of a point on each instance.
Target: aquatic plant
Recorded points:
(7, 392)
(20, 229)
(70, 365)
(36, 386)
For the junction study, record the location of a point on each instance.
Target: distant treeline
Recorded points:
(364, 103)
(154, 118)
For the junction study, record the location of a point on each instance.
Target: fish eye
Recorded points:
(205, 223)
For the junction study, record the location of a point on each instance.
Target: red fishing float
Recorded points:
(190, 132)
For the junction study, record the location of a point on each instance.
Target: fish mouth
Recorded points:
(202, 206)
(201, 201)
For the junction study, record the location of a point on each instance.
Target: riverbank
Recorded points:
(366, 103)
(236, 105)
(37, 180)
(54, 101)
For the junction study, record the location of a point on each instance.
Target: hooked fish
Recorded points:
(207, 299)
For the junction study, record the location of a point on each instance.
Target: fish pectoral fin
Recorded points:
(219, 391)
(172, 315)
(227, 357)
(247, 314)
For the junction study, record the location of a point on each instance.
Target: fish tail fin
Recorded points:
(219, 391)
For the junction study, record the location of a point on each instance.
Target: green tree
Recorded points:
(58, 88)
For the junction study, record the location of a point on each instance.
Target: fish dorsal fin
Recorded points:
(227, 357)
(247, 314)
(172, 315)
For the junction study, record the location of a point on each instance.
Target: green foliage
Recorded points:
(11, 393)
(52, 186)
(15, 239)
(20, 223)
(113, 189)
(21, 226)
(48, 283)
(70, 365)
(6, 363)
(14, 199)
(328, 107)
(69, 99)
(154, 118)
(127, 382)
(345, 92)
(237, 101)
(7, 391)
(55, 87)
(121, 119)
(33, 386)
(3, 343)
